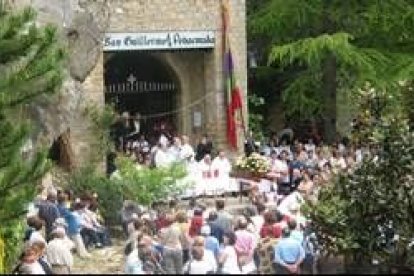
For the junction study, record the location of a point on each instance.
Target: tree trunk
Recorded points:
(330, 87)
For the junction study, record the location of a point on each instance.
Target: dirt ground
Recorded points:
(107, 260)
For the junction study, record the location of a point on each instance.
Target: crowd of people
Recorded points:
(200, 240)
(57, 226)
(270, 235)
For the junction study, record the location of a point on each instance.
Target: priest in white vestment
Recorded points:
(187, 151)
(192, 179)
(221, 172)
(162, 157)
(206, 186)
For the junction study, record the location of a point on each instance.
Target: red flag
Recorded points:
(234, 98)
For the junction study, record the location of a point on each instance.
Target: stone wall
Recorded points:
(199, 72)
(82, 24)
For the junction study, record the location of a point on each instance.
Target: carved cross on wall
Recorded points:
(131, 79)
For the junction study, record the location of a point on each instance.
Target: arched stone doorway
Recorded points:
(143, 83)
(61, 152)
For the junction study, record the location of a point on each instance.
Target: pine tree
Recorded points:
(30, 65)
(335, 45)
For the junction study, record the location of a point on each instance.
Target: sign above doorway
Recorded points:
(172, 40)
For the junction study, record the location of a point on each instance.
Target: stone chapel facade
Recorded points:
(199, 100)
(152, 57)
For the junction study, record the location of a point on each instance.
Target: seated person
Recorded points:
(88, 231)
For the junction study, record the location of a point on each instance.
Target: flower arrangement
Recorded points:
(255, 164)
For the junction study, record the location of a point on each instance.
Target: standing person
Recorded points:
(128, 210)
(202, 261)
(173, 254)
(196, 223)
(203, 148)
(249, 144)
(185, 238)
(207, 183)
(135, 127)
(58, 254)
(211, 243)
(37, 226)
(228, 263)
(133, 264)
(216, 230)
(162, 156)
(245, 247)
(295, 232)
(48, 212)
(258, 218)
(187, 151)
(224, 219)
(310, 146)
(269, 228)
(288, 255)
(149, 256)
(221, 172)
(265, 249)
(175, 150)
(306, 185)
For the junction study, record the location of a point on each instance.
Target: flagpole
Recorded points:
(230, 82)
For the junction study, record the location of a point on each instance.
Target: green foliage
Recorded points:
(101, 120)
(255, 116)
(407, 100)
(143, 185)
(148, 185)
(303, 91)
(88, 180)
(349, 212)
(30, 65)
(371, 41)
(13, 242)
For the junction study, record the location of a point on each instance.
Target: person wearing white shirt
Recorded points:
(279, 167)
(310, 146)
(163, 141)
(187, 151)
(175, 150)
(202, 261)
(221, 172)
(206, 185)
(37, 225)
(192, 179)
(228, 256)
(29, 262)
(293, 199)
(162, 157)
(58, 254)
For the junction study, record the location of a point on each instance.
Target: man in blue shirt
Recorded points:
(295, 233)
(211, 243)
(216, 230)
(288, 254)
